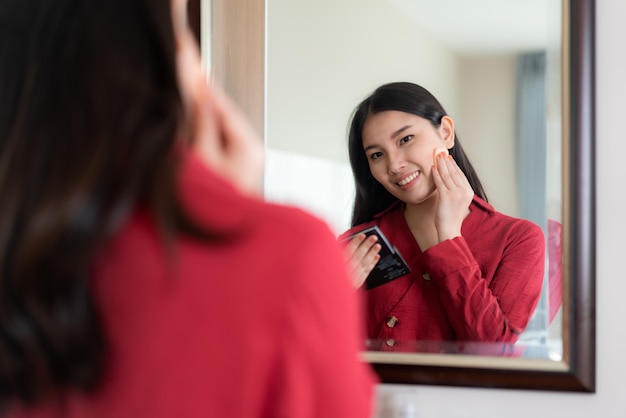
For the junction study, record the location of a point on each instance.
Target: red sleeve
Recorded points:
(322, 374)
(496, 311)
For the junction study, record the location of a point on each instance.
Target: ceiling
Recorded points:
(486, 26)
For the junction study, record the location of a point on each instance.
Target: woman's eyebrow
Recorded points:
(399, 131)
(369, 147)
(392, 136)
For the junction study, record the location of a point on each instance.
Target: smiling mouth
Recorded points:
(408, 179)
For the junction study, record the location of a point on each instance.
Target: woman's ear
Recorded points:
(447, 131)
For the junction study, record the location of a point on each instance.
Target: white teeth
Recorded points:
(408, 179)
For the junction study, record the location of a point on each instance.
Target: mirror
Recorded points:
(286, 104)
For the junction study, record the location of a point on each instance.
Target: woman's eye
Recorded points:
(376, 155)
(406, 139)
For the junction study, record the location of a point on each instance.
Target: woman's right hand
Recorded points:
(362, 254)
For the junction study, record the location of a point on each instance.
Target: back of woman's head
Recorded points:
(371, 197)
(89, 110)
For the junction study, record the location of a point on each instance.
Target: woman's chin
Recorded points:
(418, 199)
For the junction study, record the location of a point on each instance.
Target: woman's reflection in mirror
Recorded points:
(476, 274)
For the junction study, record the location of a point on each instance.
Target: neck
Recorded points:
(421, 215)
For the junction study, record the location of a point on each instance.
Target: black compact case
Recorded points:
(391, 264)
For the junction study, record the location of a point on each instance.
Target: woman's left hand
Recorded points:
(455, 195)
(229, 143)
(219, 131)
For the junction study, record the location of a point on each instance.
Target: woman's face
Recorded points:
(400, 150)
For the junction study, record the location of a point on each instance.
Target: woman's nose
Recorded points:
(396, 164)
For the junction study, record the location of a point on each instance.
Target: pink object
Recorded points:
(555, 267)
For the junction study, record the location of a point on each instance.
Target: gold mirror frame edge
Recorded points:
(576, 373)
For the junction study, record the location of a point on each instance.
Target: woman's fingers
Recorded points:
(234, 149)
(362, 254)
(454, 197)
(447, 174)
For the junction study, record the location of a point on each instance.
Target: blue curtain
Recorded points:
(531, 129)
(531, 136)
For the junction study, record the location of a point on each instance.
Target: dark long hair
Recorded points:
(89, 113)
(371, 197)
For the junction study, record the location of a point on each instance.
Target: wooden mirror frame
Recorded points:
(239, 25)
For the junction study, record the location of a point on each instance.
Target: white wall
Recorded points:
(486, 125)
(320, 65)
(610, 399)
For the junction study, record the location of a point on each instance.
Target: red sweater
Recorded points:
(480, 287)
(262, 326)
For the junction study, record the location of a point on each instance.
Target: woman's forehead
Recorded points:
(387, 124)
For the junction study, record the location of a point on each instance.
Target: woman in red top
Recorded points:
(476, 274)
(140, 276)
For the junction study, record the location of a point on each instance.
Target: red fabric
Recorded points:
(483, 287)
(263, 326)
